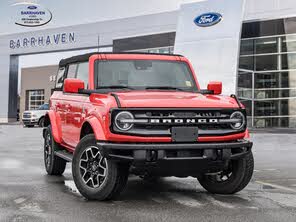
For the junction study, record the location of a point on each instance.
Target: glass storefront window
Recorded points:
(288, 43)
(246, 62)
(245, 80)
(266, 45)
(273, 107)
(272, 80)
(274, 93)
(271, 63)
(289, 61)
(266, 62)
(247, 47)
(266, 122)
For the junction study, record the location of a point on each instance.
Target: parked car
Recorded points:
(31, 118)
(143, 114)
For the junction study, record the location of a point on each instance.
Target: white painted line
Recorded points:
(277, 186)
(19, 200)
(220, 203)
(184, 200)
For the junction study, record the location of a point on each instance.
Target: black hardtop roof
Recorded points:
(85, 57)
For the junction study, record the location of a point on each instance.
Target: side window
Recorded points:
(82, 73)
(72, 71)
(60, 78)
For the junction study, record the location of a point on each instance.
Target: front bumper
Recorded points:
(30, 121)
(178, 159)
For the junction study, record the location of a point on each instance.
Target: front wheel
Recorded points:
(231, 180)
(96, 177)
(41, 122)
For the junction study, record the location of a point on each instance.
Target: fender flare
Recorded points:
(97, 128)
(55, 122)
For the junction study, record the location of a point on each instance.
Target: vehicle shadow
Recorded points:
(162, 189)
(139, 189)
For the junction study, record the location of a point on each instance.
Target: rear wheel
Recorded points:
(96, 177)
(54, 165)
(232, 180)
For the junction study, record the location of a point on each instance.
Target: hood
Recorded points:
(172, 99)
(34, 111)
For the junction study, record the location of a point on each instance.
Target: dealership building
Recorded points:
(251, 50)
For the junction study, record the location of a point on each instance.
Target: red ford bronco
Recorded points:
(144, 114)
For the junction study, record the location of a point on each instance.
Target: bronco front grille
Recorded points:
(158, 122)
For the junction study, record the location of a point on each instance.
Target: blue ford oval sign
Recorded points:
(208, 19)
(32, 7)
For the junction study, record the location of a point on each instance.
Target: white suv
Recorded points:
(31, 118)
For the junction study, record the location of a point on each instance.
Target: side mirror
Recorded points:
(73, 85)
(216, 87)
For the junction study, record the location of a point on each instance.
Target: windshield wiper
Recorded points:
(165, 87)
(114, 87)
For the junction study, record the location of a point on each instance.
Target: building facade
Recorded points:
(36, 86)
(252, 51)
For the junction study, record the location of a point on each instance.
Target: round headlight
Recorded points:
(240, 120)
(121, 118)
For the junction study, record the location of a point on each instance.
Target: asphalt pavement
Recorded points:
(27, 193)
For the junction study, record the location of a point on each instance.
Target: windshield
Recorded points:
(144, 74)
(44, 107)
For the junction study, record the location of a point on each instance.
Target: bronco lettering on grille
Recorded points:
(182, 121)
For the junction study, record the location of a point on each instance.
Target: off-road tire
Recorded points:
(54, 165)
(114, 182)
(41, 122)
(242, 171)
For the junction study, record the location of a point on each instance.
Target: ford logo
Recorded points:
(32, 7)
(208, 19)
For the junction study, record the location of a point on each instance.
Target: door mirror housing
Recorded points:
(73, 85)
(215, 87)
